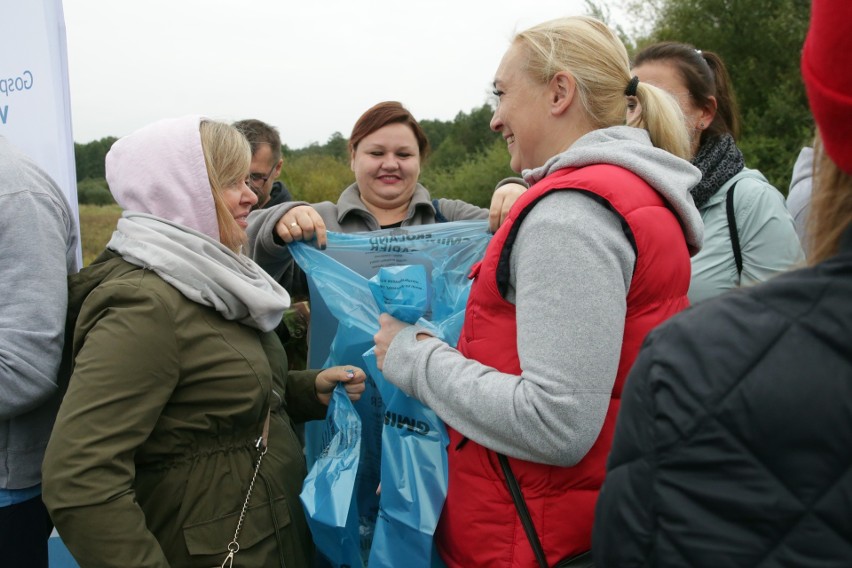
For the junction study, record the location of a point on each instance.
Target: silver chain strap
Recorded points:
(234, 546)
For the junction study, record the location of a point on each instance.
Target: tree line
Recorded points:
(759, 40)
(466, 160)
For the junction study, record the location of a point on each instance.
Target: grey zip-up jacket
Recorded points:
(348, 215)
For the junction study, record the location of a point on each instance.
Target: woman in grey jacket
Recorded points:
(387, 147)
(749, 235)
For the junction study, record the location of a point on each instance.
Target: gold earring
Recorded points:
(701, 125)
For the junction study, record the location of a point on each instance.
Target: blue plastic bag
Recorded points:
(425, 280)
(330, 485)
(414, 479)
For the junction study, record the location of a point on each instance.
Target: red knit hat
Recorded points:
(827, 71)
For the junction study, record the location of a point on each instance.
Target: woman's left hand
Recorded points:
(352, 377)
(390, 326)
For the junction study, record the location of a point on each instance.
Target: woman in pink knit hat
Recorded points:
(732, 447)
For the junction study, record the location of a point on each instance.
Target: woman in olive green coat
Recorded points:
(157, 457)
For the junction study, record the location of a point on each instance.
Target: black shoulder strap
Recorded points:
(523, 512)
(732, 227)
(439, 217)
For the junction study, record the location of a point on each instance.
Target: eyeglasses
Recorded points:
(257, 181)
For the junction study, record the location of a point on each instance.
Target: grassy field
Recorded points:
(97, 222)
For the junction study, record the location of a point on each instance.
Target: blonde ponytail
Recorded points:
(661, 116)
(588, 50)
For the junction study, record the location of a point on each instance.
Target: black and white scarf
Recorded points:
(719, 160)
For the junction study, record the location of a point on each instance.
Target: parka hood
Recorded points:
(160, 170)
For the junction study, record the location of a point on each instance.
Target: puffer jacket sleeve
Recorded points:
(625, 509)
(125, 371)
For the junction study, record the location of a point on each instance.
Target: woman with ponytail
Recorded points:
(748, 234)
(591, 257)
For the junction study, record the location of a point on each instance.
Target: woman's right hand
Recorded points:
(302, 223)
(501, 202)
(352, 377)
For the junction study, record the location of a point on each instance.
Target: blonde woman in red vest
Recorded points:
(589, 259)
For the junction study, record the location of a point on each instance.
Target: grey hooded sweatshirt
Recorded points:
(570, 272)
(39, 250)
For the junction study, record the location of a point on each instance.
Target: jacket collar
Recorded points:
(350, 203)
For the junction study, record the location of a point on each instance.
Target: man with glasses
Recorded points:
(266, 162)
(265, 168)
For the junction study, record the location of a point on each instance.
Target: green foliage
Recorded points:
(316, 177)
(760, 42)
(474, 179)
(454, 143)
(94, 192)
(89, 158)
(467, 159)
(337, 147)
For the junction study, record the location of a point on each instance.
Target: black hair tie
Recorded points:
(630, 91)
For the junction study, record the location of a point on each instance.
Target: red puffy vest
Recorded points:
(479, 525)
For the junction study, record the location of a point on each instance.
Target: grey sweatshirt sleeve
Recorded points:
(570, 272)
(35, 262)
(275, 259)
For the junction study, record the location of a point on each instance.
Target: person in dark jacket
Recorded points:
(174, 445)
(266, 163)
(732, 447)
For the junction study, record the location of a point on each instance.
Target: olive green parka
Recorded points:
(154, 447)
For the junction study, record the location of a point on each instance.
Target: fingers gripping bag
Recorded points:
(328, 489)
(418, 274)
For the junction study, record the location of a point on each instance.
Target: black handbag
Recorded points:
(582, 559)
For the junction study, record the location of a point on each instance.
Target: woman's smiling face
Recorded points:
(387, 166)
(521, 111)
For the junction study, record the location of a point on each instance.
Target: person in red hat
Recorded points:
(732, 447)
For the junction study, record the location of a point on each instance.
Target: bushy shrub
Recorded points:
(94, 192)
(315, 178)
(472, 181)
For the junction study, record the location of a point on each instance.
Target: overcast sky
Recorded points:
(309, 67)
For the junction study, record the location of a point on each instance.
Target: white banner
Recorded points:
(35, 102)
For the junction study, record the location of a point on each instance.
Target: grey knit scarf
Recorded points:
(202, 269)
(719, 160)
